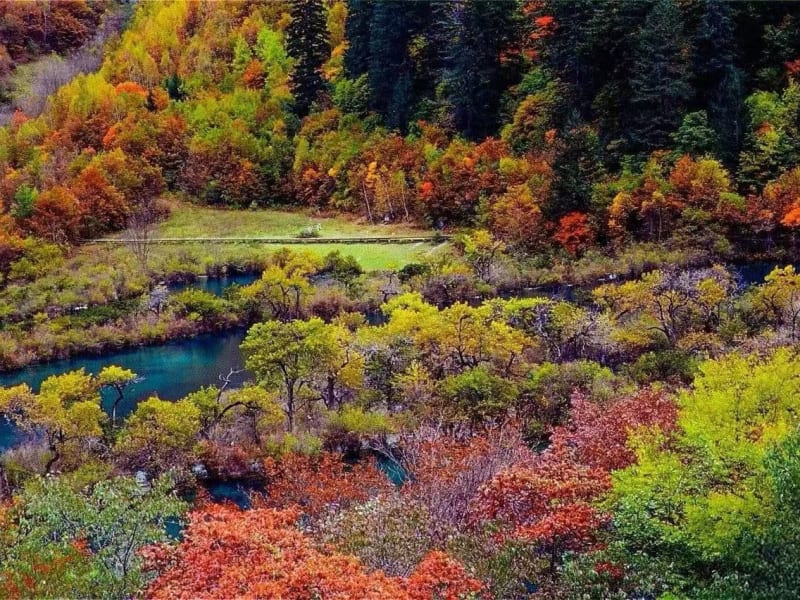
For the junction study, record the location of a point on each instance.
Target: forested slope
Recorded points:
(554, 125)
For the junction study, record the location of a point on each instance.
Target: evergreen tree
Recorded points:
(394, 24)
(717, 79)
(660, 86)
(307, 44)
(357, 31)
(483, 32)
(576, 168)
(573, 53)
(695, 136)
(388, 54)
(610, 48)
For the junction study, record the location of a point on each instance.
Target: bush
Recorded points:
(309, 232)
(666, 365)
(412, 270)
(344, 269)
(192, 301)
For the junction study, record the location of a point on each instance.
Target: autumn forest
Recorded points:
(381, 299)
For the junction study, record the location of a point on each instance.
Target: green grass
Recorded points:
(373, 257)
(191, 221)
(200, 221)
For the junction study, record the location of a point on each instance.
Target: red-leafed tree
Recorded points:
(574, 232)
(229, 553)
(446, 474)
(439, 576)
(597, 434)
(549, 500)
(316, 484)
(103, 206)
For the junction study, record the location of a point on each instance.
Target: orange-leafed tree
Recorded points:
(781, 196)
(316, 484)
(260, 553)
(253, 75)
(792, 218)
(11, 244)
(516, 218)
(104, 207)
(131, 87)
(699, 182)
(574, 232)
(56, 216)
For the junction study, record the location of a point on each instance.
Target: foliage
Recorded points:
(210, 563)
(94, 536)
(322, 483)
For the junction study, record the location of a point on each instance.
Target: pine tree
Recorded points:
(388, 61)
(307, 44)
(571, 52)
(659, 81)
(576, 167)
(394, 24)
(357, 31)
(717, 79)
(483, 32)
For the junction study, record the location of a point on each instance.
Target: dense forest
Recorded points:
(624, 121)
(549, 348)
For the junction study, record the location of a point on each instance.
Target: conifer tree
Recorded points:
(307, 44)
(717, 79)
(483, 32)
(576, 168)
(660, 87)
(357, 31)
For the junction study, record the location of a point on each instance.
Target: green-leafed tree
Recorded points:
(286, 357)
(92, 536)
(703, 510)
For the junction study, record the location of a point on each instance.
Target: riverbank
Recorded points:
(58, 340)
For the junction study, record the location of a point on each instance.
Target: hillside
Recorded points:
(231, 105)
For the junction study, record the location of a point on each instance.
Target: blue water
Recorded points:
(216, 285)
(238, 492)
(170, 370)
(753, 273)
(393, 471)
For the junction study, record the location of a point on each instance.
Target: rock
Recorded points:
(200, 471)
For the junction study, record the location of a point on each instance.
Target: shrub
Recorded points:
(309, 232)
(666, 365)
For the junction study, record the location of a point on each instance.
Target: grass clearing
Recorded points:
(190, 221)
